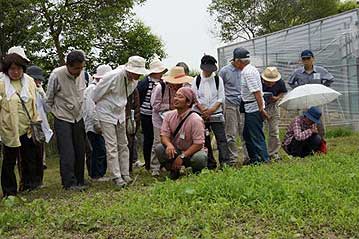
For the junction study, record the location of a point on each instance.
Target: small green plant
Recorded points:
(339, 132)
(315, 197)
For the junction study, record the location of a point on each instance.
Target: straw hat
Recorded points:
(271, 74)
(19, 51)
(136, 64)
(102, 70)
(176, 75)
(156, 66)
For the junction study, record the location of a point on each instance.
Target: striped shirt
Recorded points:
(146, 108)
(250, 83)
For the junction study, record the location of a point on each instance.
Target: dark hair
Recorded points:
(185, 67)
(13, 58)
(75, 56)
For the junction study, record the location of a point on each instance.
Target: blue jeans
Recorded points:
(253, 135)
(98, 156)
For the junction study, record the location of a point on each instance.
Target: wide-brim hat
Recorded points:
(19, 51)
(137, 65)
(271, 74)
(176, 75)
(208, 63)
(314, 114)
(35, 72)
(156, 66)
(102, 70)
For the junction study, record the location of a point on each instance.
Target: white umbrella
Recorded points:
(305, 96)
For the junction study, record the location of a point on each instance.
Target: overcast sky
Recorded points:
(184, 26)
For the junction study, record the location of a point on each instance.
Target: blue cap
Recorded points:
(240, 53)
(307, 53)
(314, 114)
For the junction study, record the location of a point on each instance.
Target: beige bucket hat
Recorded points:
(19, 51)
(176, 75)
(136, 64)
(156, 66)
(271, 74)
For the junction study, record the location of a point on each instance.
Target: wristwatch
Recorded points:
(182, 156)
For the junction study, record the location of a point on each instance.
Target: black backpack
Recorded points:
(163, 87)
(198, 81)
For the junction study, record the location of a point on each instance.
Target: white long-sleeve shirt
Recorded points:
(110, 96)
(207, 93)
(89, 112)
(40, 106)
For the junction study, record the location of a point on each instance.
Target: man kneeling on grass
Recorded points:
(182, 136)
(302, 138)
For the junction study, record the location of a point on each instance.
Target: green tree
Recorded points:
(15, 24)
(245, 19)
(347, 5)
(94, 26)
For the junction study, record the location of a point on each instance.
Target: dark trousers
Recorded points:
(147, 131)
(219, 132)
(30, 167)
(71, 145)
(132, 149)
(253, 135)
(88, 156)
(98, 163)
(304, 148)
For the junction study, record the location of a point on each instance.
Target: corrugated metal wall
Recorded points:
(335, 43)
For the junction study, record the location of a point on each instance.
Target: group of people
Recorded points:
(96, 118)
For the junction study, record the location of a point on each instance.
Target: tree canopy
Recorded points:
(246, 19)
(105, 29)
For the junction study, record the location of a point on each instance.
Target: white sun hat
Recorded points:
(19, 51)
(156, 66)
(102, 70)
(137, 65)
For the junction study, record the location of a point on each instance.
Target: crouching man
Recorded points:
(302, 138)
(182, 136)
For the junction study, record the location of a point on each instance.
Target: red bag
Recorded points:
(323, 147)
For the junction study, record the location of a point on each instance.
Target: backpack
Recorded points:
(198, 81)
(163, 87)
(87, 78)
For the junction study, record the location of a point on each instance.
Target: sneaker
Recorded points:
(119, 182)
(174, 175)
(103, 179)
(77, 188)
(155, 173)
(127, 179)
(138, 164)
(275, 157)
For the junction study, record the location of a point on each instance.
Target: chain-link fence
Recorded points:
(335, 43)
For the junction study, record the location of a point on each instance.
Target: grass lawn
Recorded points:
(317, 197)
